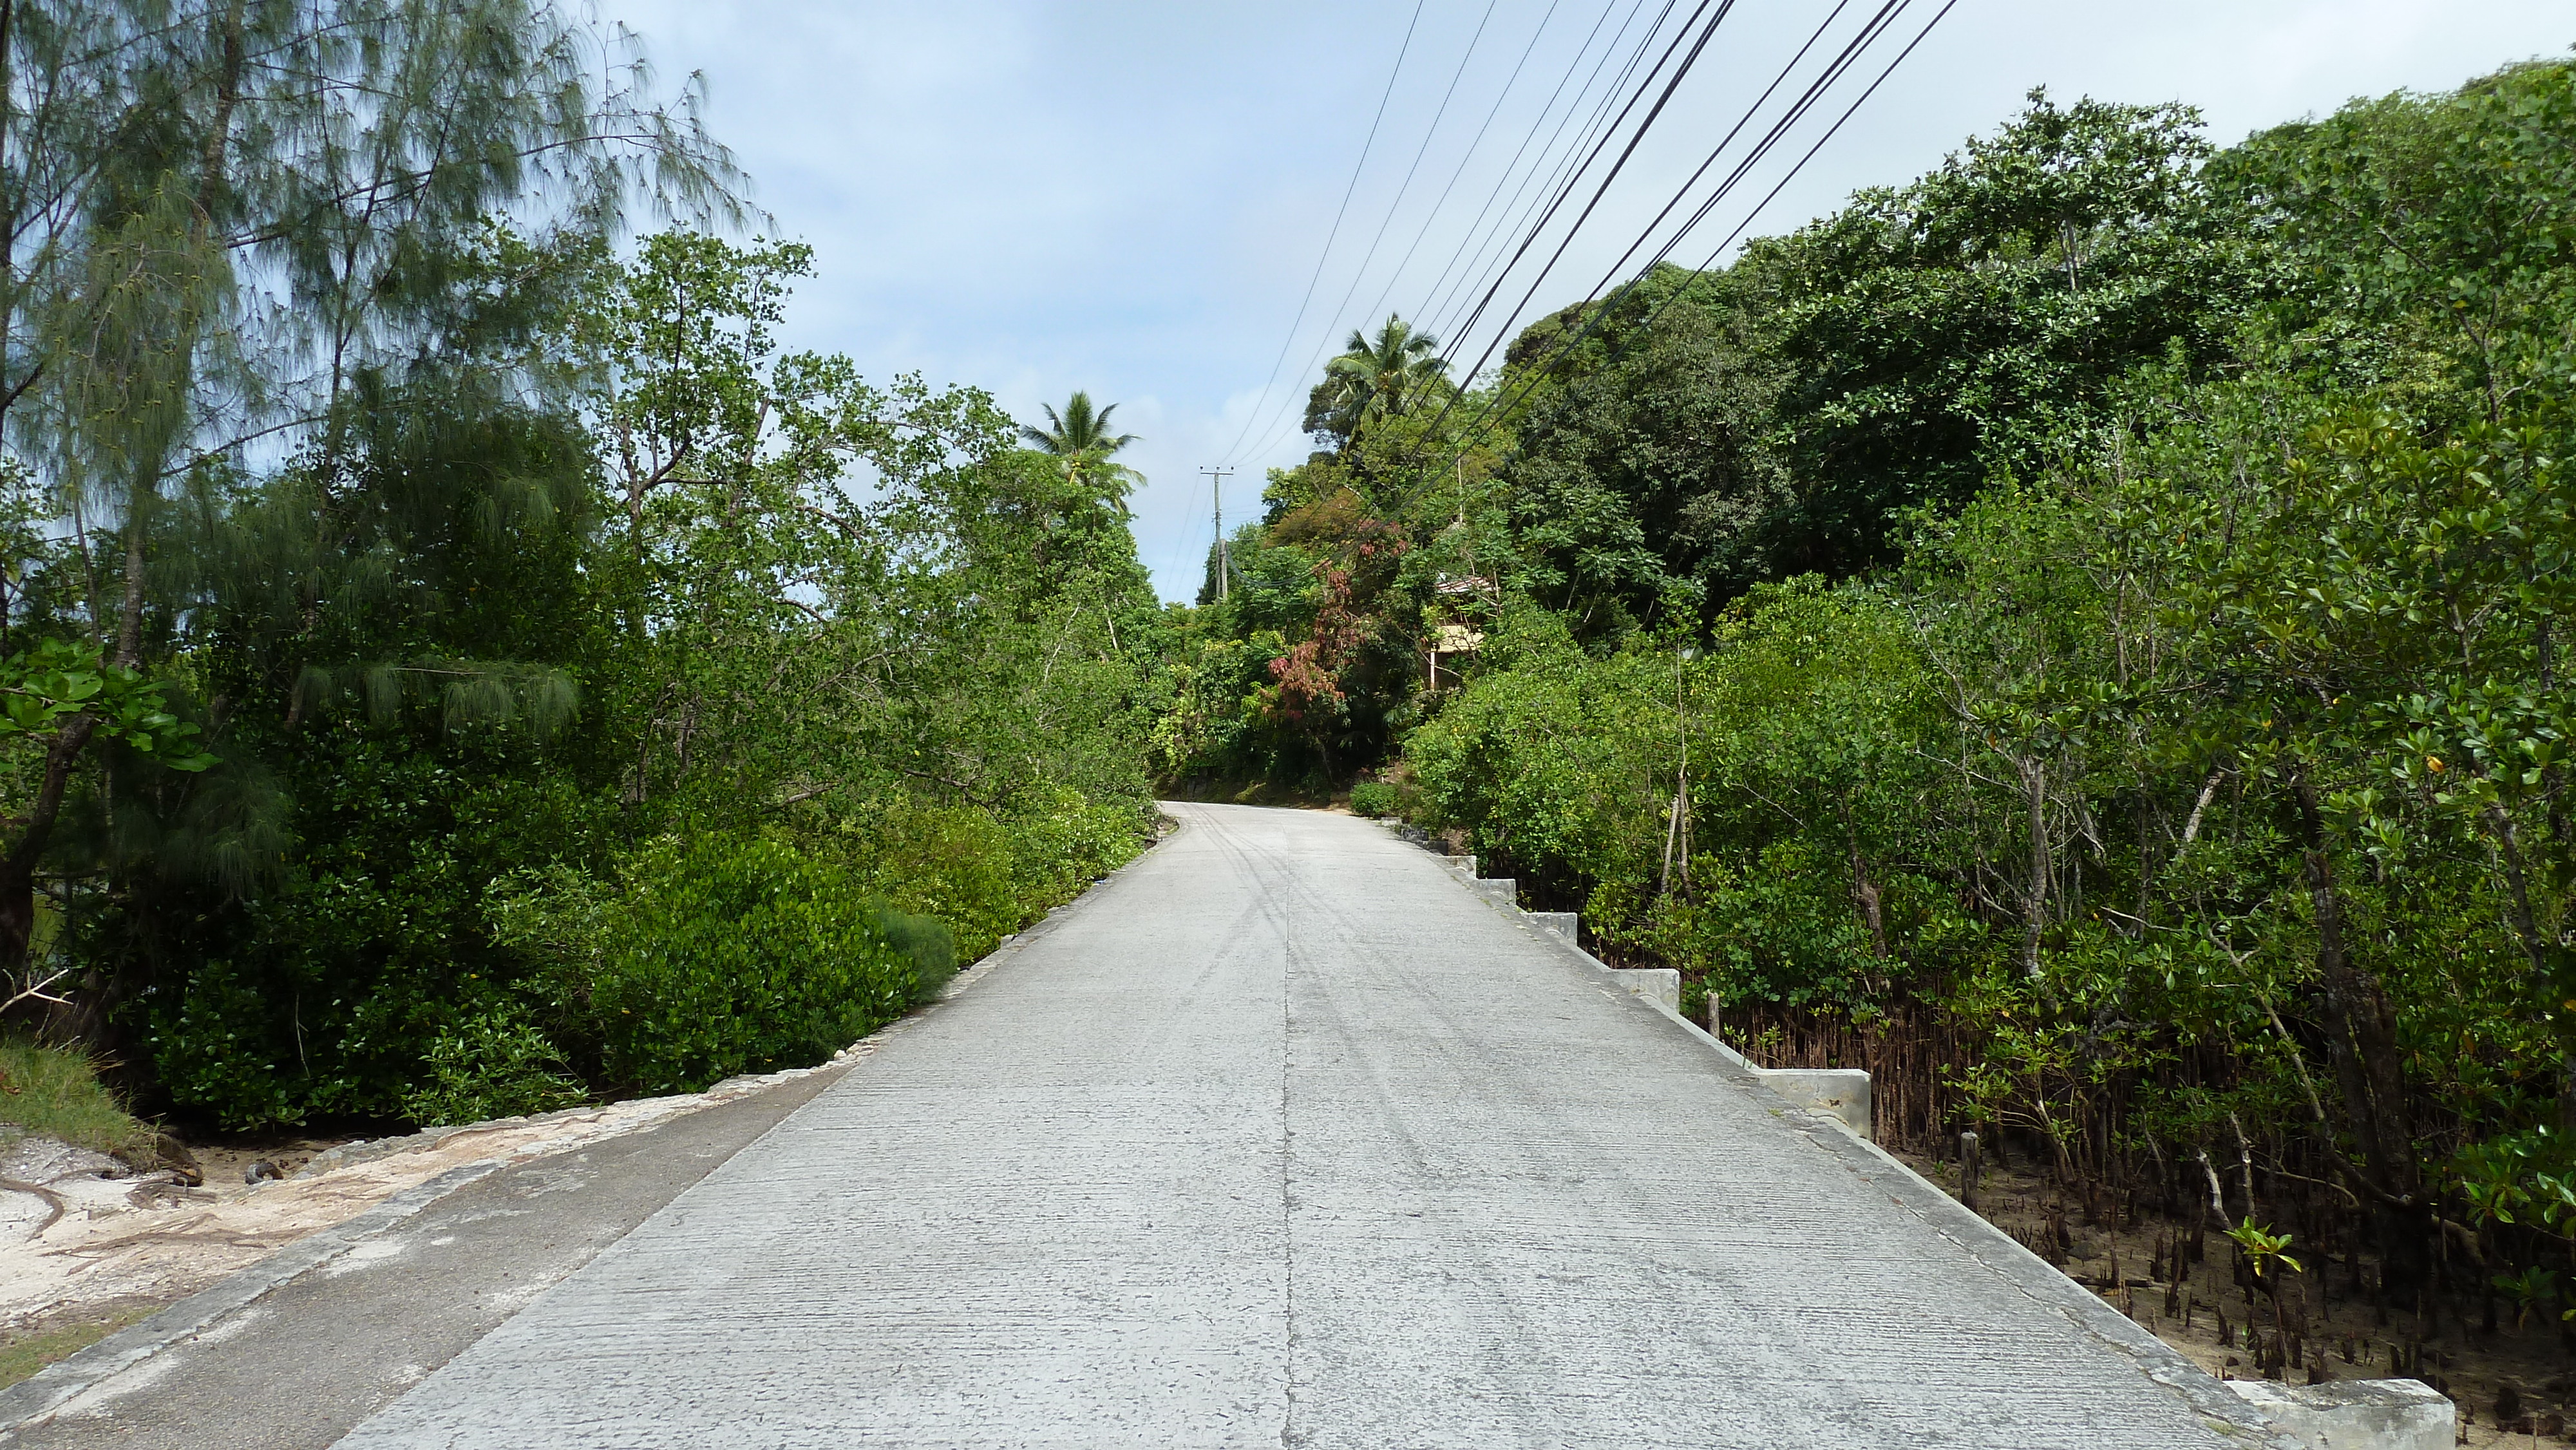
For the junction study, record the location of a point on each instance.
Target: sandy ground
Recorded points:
(76, 1242)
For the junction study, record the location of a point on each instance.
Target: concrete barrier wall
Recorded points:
(1841, 1093)
(1659, 985)
(2355, 1414)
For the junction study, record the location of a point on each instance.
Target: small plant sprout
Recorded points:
(2263, 1247)
(2531, 1291)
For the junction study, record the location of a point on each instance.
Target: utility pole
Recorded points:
(1216, 492)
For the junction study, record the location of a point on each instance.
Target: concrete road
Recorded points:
(1283, 1136)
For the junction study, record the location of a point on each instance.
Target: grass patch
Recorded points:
(23, 1357)
(56, 1093)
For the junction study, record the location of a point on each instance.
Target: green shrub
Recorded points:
(56, 1092)
(927, 942)
(316, 995)
(1064, 841)
(216, 1049)
(955, 863)
(494, 1064)
(719, 956)
(987, 874)
(1376, 798)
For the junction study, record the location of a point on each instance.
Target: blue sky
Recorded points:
(1131, 198)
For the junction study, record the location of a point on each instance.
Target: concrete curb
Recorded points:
(2225, 1413)
(372, 1149)
(50, 1388)
(47, 1391)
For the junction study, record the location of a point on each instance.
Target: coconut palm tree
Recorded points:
(1082, 445)
(1384, 376)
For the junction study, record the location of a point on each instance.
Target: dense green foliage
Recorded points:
(717, 956)
(2099, 607)
(458, 662)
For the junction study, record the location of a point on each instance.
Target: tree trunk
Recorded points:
(2035, 895)
(2553, 780)
(1865, 891)
(35, 830)
(2370, 1071)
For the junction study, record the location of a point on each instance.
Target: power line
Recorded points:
(1392, 206)
(1616, 167)
(1868, 33)
(1336, 231)
(1433, 214)
(1644, 44)
(1599, 312)
(1442, 289)
(1287, 413)
(1538, 370)
(1878, 26)
(1182, 535)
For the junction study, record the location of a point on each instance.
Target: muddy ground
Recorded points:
(2133, 1262)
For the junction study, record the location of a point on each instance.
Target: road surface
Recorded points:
(1282, 1136)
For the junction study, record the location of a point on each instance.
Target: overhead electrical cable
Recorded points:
(1359, 273)
(1602, 189)
(1512, 167)
(1851, 52)
(1538, 228)
(1773, 194)
(1432, 214)
(1886, 13)
(1877, 27)
(1538, 371)
(1609, 97)
(1478, 247)
(1579, 161)
(1330, 236)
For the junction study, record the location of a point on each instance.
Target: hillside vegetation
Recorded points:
(454, 660)
(2080, 634)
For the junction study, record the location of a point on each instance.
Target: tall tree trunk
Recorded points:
(2553, 780)
(2034, 776)
(1865, 892)
(34, 831)
(2370, 1071)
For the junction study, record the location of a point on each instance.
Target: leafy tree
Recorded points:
(1645, 486)
(2435, 238)
(1940, 331)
